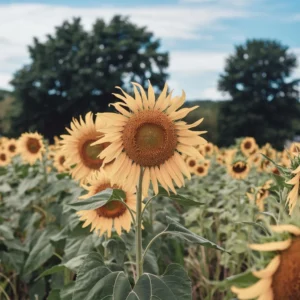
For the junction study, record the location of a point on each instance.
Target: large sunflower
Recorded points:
(113, 214)
(12, 147)
(149, 134)
(280, 280)
(5, 158)
(294, 193)
(78, 149)
(31, 147)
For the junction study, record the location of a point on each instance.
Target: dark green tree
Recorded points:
(75, 71)
(265, 100)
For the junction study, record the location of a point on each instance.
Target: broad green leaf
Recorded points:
(54, 295)
(243, 280)
(173, 284)
(40, 253)
(181, 199)
(96, 281)
(116, 250)
(254, 224)
(75, 263)
(6, 232)
(4, 188)
(16, 245)
(67, 291)
(98, 200)
(179, 230)
(53, 270)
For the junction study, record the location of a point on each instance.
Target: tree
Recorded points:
(75, 71)
(265, 99)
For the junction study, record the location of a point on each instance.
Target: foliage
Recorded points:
(74, 71)
(264, 98)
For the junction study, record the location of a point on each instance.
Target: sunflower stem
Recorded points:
(138, 229)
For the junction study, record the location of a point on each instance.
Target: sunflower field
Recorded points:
(136, 205)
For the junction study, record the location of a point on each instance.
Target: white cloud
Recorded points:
(19, 23)
(191, 62)
(212, 93)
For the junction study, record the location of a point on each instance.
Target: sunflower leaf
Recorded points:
(99, 200)
(177, 229)
(181, 199)
(243, 279)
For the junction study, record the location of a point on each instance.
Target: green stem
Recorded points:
(138, 229)
(105, 248)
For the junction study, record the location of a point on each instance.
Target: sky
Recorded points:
(199, 34)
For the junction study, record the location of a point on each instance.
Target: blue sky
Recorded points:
(199, 34)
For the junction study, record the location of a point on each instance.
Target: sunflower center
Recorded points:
(33, 145)
(149, 138)
(200, 170)
(2, 157)
(90, 154)
(286, 280)
(239, 167)
(247, 145)
(192, 163)
(62, 160)
(12, 148)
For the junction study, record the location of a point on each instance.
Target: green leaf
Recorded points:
(54, 295)
(53, 270)
(254, 224)
(96, 281)
(4, 188)
(244, 279)
(40, 253)
(177, 229)
(173, 284)
(6, 232)
(99, 199)
(116, 250)
(181, 199)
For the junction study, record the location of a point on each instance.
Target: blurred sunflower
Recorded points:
(78, 149)
(238, 169)
(12, 147)
(31, 147)
(191, 163)
(5, 158)
(59, 162)
(113, 214)
(268, 151)
(248, 146)
(280, 279)
(201, 169)
(149, 134)
(259, 194)
(208, 149)
(294, 149)
(293, 195)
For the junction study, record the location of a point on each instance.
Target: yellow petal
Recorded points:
(154, 180)
(268, 295)
(295, 230)
(269, 270)
(146, 182)
(254, 290)
(272, 246)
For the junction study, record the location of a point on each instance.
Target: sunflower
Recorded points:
(248, 146)
(294, 149)
(31, 147)
(5, 158)
(268, 151)
(149, 134)
(59, 162)
(78, 149)
(280, 280)
(260, 194)
(12, 147)
(238, 169)
(202, 168)
(113, 214)
(208, 149)
(221, 160)
(294, 193)
(191, 163)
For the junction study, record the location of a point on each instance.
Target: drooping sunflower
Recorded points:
(5, 158)
(248, 146)
(149, 133)
(78, 149)
(31, 147)
(113, 214)
(12, 147)
(59, 162)
(280, 279)
(293, 195)
(238, 169)
(259, 194)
